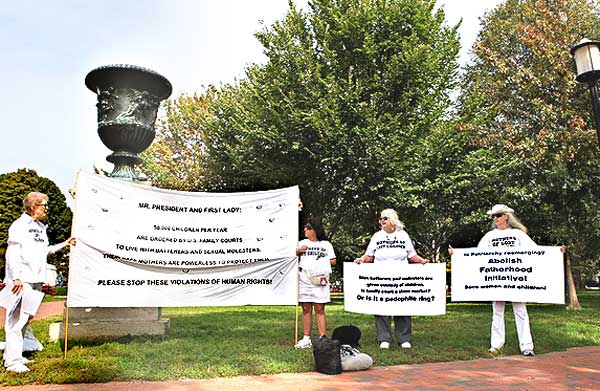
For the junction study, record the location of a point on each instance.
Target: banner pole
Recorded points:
(297, 293)
(66, 330)
(296, 328)
(69, 279)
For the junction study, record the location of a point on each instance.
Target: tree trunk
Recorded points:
(572, 300)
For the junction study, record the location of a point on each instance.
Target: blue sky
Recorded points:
(48, 47)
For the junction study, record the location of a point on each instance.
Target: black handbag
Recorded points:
(326, 352)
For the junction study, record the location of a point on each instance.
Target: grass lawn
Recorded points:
(229, 341)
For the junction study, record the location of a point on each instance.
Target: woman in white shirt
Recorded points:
(508, 231)
(316, 258)
(26, 255)
(391, 244)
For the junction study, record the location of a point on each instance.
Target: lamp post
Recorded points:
(586, 54)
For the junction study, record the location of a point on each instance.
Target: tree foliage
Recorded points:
(349, 93)
(176, 159)
(14, 187)
(521, 102)
(353, 105)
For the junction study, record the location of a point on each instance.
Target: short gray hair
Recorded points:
(32, 200)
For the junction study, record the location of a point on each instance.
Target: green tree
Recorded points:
(14, 187)
(176, 159)
(342, 107)
(521, 102)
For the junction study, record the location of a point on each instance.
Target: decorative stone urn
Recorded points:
(128, 101)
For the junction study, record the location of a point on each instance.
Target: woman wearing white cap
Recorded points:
(508, 232)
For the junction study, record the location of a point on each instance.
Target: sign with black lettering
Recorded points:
(394, 288)
(139, 246)
(534, 275)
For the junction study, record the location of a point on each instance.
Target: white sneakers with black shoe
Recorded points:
(353, 360)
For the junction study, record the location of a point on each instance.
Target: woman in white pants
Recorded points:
(508, 232)
(26, 255)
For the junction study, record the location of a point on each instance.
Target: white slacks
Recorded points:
(13, 329)
(19, 336)
(521, 322)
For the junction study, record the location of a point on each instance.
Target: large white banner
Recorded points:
(534, 275)
(143, 246)
(390, 288)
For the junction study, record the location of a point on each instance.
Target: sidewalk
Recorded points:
(46, 309)
(575, 369)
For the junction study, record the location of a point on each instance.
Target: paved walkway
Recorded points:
(46, 309)
(574, 369)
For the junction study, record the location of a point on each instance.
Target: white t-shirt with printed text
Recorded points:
(395, 246)
(510, 237)
(317, 257)
(27, 250)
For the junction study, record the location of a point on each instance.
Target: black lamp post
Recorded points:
(586, 54)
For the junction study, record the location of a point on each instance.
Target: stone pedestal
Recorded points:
(109, 323)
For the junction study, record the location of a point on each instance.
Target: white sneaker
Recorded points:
(494, 350)
(405, 345)
(25, 360)
(304, 343)
(384, 345)
(18, 368)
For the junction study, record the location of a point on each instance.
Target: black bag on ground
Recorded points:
(326, 352)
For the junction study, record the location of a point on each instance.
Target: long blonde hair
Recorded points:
(513, 222)
(393, 217)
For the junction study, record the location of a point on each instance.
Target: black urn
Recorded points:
(128, 101)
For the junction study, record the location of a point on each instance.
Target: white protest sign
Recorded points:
(143, 246)
(534, 275)
(394, 288)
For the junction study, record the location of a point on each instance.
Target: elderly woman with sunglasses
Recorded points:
(508, 231)
(391, 244)
(316, 258)
(26, 255)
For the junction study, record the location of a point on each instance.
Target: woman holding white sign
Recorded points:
(508, 232)
(391, 244)
(316, 258)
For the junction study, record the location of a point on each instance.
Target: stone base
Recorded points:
(109, 323)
